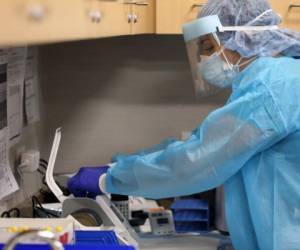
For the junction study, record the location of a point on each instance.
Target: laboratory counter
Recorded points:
(180, 242)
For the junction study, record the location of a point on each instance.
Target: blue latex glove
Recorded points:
(86, 182)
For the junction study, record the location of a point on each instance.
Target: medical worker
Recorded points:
(251, 145)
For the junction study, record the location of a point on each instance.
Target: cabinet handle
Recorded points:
(137, 3)
(132, 18)
(294, 6)
(141, 3)
(95, 16)
(198, 5)
(36, 12)
(129, 18)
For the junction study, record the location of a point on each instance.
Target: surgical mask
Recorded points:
(217, 72)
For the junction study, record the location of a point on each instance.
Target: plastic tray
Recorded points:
(99, 237)
(191, 215)
(189, 204)
(72, 247)
(191, 227)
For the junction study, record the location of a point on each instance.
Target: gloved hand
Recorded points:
(86, 182)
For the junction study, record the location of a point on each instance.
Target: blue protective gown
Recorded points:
(251, 145)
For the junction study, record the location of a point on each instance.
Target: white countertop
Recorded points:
(181, 242)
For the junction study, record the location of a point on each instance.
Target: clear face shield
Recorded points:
(211, 70)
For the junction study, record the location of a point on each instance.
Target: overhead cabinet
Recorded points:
(172, 14)
(143, 17)
(115, 17)
(292, 15)
(44, 21)
(289, 11)
(121, 17)
(168, 16)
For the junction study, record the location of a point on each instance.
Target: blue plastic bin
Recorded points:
(72, 247)
(105, 238)
(190, 216)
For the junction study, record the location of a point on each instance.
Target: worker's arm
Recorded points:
(164, 144)
(224, 142)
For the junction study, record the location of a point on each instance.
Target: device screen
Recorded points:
(162, 221)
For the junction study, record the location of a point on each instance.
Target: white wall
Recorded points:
(116, 95)
(113, 95)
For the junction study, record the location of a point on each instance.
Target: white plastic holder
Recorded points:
(121, 227)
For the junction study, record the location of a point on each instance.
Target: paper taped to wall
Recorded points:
(3, 89)
(8, 183)
(31, 94)
(16, 76)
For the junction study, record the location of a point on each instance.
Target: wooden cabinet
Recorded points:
(279, 6)
(289, 11)
(190, 9)
(125, 17)
(168, 17)
(292, 17)
(44, 21)
(115, 18)
(171, 14)
(143, 17)
(119, 17)
(41, 21)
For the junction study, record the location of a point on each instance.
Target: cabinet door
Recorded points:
(38, 21)
(281, 8)
(115, 17)
(289, 11)
(143, 17)
(172, 14)
(93, 23)
(168, 16)
(190, 9)
(292, 18)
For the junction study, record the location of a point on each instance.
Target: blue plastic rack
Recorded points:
(191, 216)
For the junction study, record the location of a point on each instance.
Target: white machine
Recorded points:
(102, 208)
(161, 221)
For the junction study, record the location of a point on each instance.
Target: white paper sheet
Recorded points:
(32, 111)
(8, 182)
(3, 89)
(16, 77)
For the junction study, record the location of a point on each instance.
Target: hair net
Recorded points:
(253, 13)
